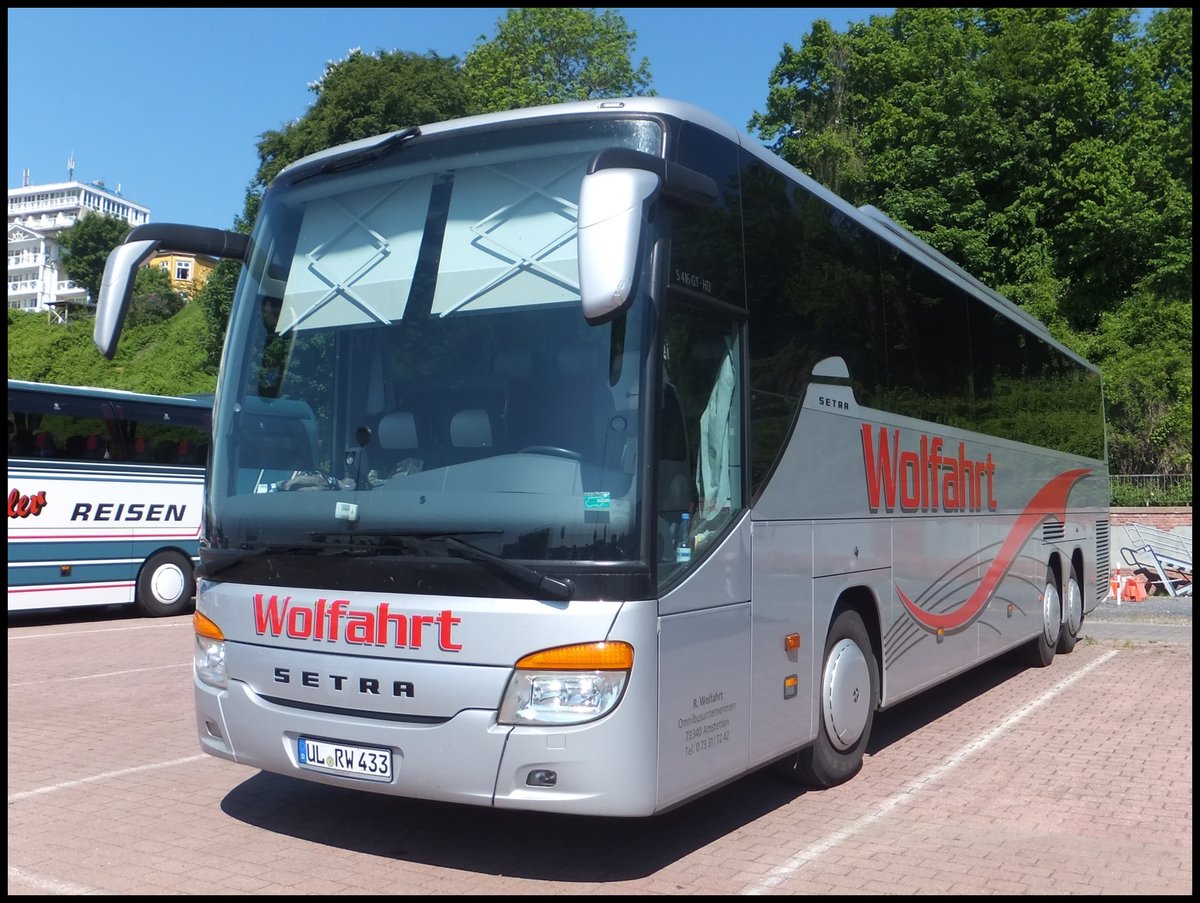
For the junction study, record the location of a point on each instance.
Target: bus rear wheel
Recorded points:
(166, 585)
(1072, 621)
(848, 700)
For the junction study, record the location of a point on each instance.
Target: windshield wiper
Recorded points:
(376, 540)
(358, 158)
(559, 589)
(214, 561)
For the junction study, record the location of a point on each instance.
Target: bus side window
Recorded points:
(276, 436)
(189, 451)
(718, 474)
(674, 468)
(700, 426)
(44, 445)
(95, 446)
(22, 444)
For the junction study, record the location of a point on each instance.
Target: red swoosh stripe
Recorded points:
(1049, 501)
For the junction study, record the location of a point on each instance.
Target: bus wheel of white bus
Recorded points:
(166, 585)
(1072, 614)
(848, 700)
(1041, 649)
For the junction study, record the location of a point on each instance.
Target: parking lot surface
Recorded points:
(1072, 779)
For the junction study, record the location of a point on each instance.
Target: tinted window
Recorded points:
(813, 293)
(915, 343)
(706, 245)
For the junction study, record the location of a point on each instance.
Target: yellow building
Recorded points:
(188, 272)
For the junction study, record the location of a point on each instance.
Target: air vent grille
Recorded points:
(1102, 554)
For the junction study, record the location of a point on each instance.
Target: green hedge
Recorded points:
(1151, 490)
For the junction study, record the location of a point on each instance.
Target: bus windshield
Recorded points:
(408, 357)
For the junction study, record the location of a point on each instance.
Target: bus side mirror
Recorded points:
(115, 288)
(612, 205)
(618, 188)
(120, 270)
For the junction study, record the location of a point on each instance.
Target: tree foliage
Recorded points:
(85, 248)
(215, 300)
(153, 300)
(164, 357)
(1047, 151)
(551, 55)
(365, 94)
(537, 56)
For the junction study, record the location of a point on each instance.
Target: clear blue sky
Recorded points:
(168, 104)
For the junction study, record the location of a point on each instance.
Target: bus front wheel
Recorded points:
(165, 585)
(849, 696)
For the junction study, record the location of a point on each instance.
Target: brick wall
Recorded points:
(1176, 521)
(1168, 519)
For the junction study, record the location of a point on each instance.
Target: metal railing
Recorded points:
(1164, 558)
(1150, 490)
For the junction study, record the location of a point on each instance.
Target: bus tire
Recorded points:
(166, 585)
(849, 696)
(1040, 651)
(1072, 621)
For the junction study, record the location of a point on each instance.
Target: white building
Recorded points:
(36, 214)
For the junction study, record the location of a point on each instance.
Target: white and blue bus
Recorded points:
(105, 490)
(585, 458)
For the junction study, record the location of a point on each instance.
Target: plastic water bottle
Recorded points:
(683, 551)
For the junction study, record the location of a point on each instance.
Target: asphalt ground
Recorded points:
(1071, 779)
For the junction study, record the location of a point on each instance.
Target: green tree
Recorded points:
(358, 97)
(567, 54)
(544, 56)
(164, 357)
(85, 247)
(361, 96)
(812, 116)
(1046, 150)
(153, 300)
(1160, 132)
(215, 299)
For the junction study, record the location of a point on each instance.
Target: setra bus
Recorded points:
(585, 458)
(105, 489)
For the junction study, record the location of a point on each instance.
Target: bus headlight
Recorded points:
(209, 652)
(567, 685)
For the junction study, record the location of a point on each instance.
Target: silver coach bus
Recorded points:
(585, 458)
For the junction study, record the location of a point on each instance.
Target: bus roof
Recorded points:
(198, 401)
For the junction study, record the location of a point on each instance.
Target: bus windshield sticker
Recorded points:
(597, 501)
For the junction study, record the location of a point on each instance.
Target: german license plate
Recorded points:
(341, 758)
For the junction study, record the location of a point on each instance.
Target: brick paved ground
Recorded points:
(1074, 779)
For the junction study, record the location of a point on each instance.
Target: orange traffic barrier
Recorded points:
(1139, 588)
(1124, 587)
